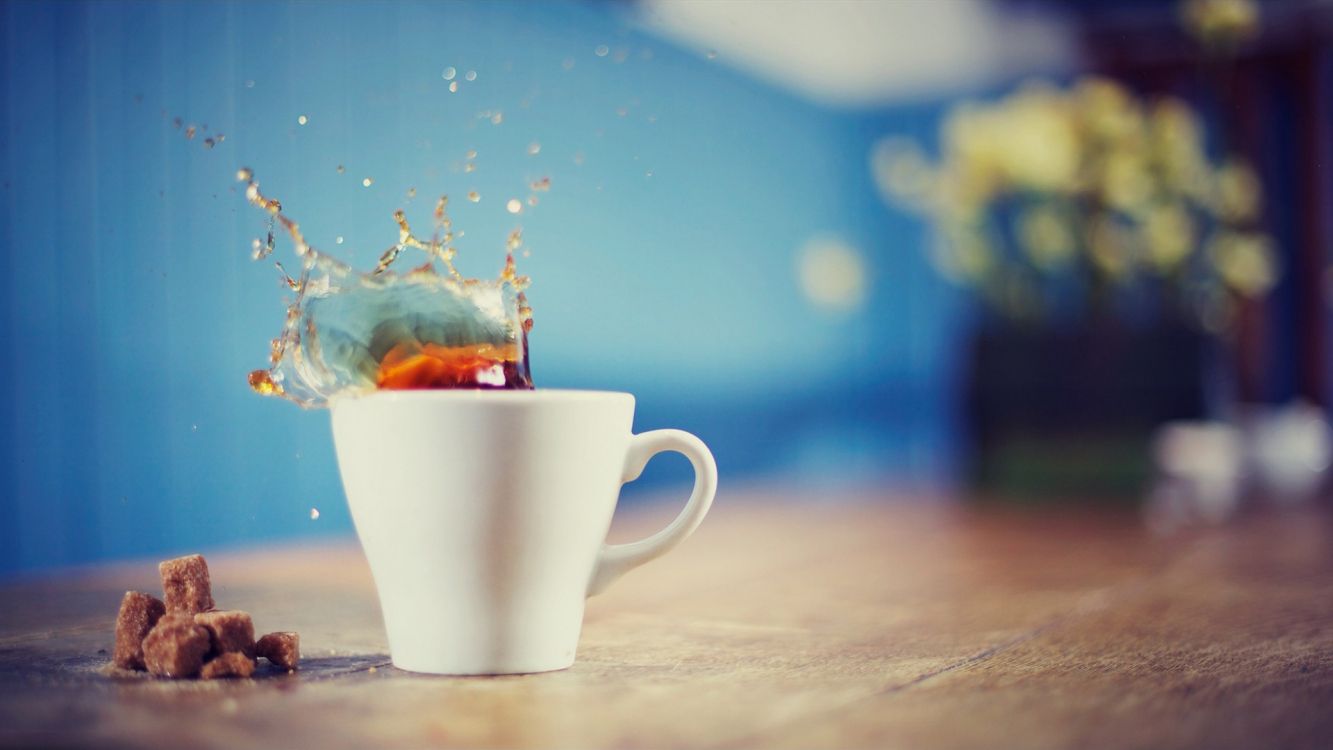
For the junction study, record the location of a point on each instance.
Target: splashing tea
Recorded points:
(349, 332)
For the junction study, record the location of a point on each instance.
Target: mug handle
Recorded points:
(615, 560)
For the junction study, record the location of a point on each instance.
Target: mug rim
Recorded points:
(472, 395)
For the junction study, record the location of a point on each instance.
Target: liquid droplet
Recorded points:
(474, 196)
(497, 118)
(471, 75)
(244, 174)
(314, 514)
(711, 54)
(471, 153)
(367, 182)
(250, 84)
(514, 205)
(338, 240)
(411, 193)
(534, 148)
(602, 50)
(453, 87)
(302, 120)
(449, 73)
(341, 169)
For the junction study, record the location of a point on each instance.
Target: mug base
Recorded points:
(480, 670)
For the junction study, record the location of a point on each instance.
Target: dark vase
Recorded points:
(1069, 414)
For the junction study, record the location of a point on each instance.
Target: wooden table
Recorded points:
(838, 622)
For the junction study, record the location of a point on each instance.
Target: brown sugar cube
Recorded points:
(176, 646)
(230, 664)
(283, 649)
(185, 584)
(139, 612)
(229, 630)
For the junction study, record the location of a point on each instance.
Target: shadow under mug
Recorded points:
(484, 516)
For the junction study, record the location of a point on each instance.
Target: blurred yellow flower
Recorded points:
(1220, 22)
(1176, 140)
(1239, 194)
(1108, 111)
(1039, 145)
(1168, 235)
(1126, 183)
(1046, 237)
(1028, 141)
(1244, 260)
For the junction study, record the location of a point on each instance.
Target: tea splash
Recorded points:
(349, 332)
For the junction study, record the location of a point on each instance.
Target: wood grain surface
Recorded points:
(788, 620)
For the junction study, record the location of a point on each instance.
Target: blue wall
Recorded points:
(131, 312)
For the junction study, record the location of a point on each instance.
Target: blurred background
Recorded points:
(1021, 252)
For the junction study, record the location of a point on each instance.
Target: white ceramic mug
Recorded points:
(484, 517)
